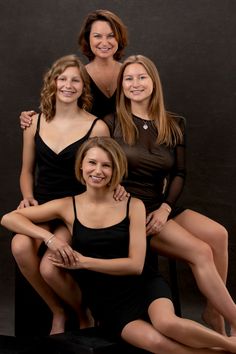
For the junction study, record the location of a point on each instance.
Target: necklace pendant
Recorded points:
(145, 126)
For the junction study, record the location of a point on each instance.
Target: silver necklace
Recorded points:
(145, 126)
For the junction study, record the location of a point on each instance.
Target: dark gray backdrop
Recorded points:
(193, 44)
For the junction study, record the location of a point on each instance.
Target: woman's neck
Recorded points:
(103, 62)
(99, 196)
(66, 111)
(140, 110)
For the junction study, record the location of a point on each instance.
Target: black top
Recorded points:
(102, 105)
(55, 172)
(114, 300)
(151, 165)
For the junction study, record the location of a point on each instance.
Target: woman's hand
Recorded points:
(26, 119)
(76, 264)
(156, 220)
(120, 193)
(27, 202)
(61, 252)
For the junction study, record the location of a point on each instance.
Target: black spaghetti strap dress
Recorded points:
(115, 300)
(55, 173)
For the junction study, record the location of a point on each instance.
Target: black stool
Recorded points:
(88, 341)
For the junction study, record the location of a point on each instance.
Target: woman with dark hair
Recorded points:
(102, 39)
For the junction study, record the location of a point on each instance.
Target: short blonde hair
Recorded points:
(115, 153)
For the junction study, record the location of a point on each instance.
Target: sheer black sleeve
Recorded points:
(178, 173)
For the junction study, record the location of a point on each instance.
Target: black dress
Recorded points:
(102, 105)
(151, 166)
(55, 173)
(115, 300)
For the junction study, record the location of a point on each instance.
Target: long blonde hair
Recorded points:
(49, 89)
(169, 131)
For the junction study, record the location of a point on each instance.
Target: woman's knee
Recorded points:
(149, 339)
(21, 245)
(167, 324)
(157, 342)
(220, 240)
(48, 270)
(201, 255)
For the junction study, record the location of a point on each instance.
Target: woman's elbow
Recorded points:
(137, 269)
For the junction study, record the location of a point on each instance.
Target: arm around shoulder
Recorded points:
(100, 129)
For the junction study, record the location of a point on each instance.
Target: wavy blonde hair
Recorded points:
(169, 131)
(49, 89)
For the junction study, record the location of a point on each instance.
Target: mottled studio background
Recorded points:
(193, 44)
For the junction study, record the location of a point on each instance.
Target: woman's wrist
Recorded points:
(166, 207)
(48, 240)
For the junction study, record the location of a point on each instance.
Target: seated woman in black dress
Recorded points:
(127, 297)
(154, 143)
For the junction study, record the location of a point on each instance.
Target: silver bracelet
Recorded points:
(166, 207)
(49, 240)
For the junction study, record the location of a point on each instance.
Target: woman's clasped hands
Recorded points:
(61, 252)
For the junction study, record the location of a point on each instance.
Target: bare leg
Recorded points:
(143, 335)
(176, 241)
(216, 236)
(64, 285)
(25, 250)
(184, 331)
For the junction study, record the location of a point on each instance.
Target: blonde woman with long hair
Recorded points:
(154, 142)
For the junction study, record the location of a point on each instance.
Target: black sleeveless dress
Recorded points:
(55, 174)
(115, 300)
(102, 105)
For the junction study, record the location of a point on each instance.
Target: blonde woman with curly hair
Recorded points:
(50, 145)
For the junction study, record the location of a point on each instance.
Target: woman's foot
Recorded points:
(58, 322)
(214, 320)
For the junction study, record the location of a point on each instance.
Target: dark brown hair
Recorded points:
(117, 27)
